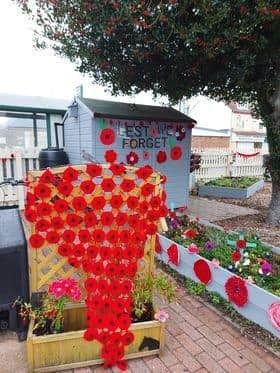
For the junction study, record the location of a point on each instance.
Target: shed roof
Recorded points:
(121, 110)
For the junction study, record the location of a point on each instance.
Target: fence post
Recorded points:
(19, 176)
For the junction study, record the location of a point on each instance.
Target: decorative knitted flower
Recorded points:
(193, 249)
(70, 174)
(173, 254)
(60, 205)
(132, 202)
(107, 136)
(57, 222)
(44, 209)
(161, 316)
(42, 225)
(147, 189)
(110, 156)
(127, 185)
(93, 170)
(42, 191)
(98, 203)
(190, 233)
(64, 249)
(68, 235)
(87, 186)
(65, 188)
(108, 185)
(274, 314)
(176, 153)
(235, 256)
(36, 240)
(237, 291)
(117, 169)
(209, 245)
(202, 271)
(116, 201)
(132, 158)
(144, 172)
(52, 237)
(73, 220)
(30, 215)
(47, 177)
(79, 203)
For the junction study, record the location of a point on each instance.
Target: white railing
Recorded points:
(15, 165)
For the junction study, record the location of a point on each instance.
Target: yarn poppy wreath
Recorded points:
(107, 136)
(102, 237)
(236, 290)
(202, 271)
(173, 254)
(176, 153)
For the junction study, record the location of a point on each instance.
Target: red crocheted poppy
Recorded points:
(155, 202)
(92, 251)
(90, 219)
(235, 256)
(152, 215)
(190, 233)
(57, 222)
(110, 156)
(176, 153)
(90, 284)
(138, 236)
(42, 191)
(124, 321)
(70, 174)
(84, 235)
(112, 236)
(116, 201)
(158, 248)
(127, 185)
(237, 291)
(73, 220)
(98, 235)
(105, 252)
(103, 286)
(132, 202)
(60, 205)
(44, 209)
(93, 170)
(111, 269)
(64, 249)
(117, 169)
(163, 195)
(107, 136)
(121, 218)
(30, 199)
(147, 189)
(143, 207)
(86, 265)
(79, 203)
(173, 254)
(131, 269)
(52, 237)
(98, 203)
(163, 211)
(161, 156)
(108, 185)
(132, 158)
(68, 236)
(128, 338)
(36, 240)
(107, 218)
(30, 214)
(126, 286)
(89, 335)
(97, 268)
(115, 288)
(240, 244)
(133, 221)
(78, 250)
(74, 262)
(87, 186)
(202, 271)
(124, 236)
(42, 225)
(65, 188)
(129, 253)
(144, 172)
(47, 177)
(151, 229)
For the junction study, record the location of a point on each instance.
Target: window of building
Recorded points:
(257, 145)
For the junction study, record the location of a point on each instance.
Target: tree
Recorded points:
(226, 50)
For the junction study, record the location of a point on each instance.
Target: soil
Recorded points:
(148, 315)
(253, 223)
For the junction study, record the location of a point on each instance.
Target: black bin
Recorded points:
(52, 157)
(13, 266)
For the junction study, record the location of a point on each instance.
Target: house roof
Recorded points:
(249, 133)
(121, 110)
(210, 132)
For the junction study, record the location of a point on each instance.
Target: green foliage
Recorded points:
(194, 288)
(233, 182)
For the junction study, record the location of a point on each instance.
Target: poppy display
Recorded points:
(87, 186)
(161, 156)
(107, 136)
(70, 174)
(176, 153)
(110, 156)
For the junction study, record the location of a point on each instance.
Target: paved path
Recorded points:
(197, 340)
(213, 211)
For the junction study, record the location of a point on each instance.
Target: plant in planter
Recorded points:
(233, 182)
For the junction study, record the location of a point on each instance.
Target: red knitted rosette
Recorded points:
(236, 290)
(173, 254)
(202, 271)
(99, 222)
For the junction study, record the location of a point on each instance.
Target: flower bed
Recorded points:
(205, 255)
(227, 187)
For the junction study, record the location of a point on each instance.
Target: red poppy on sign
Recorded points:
(107, 136)
(176, 153)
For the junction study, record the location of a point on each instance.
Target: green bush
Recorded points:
(233, 182)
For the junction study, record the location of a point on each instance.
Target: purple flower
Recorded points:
(266, 268)
(209, 245)
(174, 223)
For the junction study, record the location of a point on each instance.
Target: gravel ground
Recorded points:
(253, 223)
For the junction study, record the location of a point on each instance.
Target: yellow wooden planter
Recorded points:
(69, 350)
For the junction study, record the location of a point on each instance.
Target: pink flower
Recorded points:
(193, 249)
(65, 287)
(57, 289)
(215, 263)
(161, 316)
(274, 314)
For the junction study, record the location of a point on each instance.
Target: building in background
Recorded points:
(210, 138)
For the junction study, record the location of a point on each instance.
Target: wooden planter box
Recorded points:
(225, 192)
(69, 350)
(258, 299)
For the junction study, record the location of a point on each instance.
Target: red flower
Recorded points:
(42, 191)
(138, 237)
(107, 218)
(158, 248)
(116, 201)
(74, 262)
(176, 153)
(93, 170)
(121, 218)
(30, 199)
(60, 205)
(190, 233)
(240, 244)
(90, 219)
(86, 265)
(87, 186)
(64, 249)
(132, 158)
(105, 252)
(70, 174)
(108, 185)
(110, 156)
(163, 211)
(73, 220)
(69, 235)
(44, 209)
(124, 321)
(124, 236)
(117, 169)
(143, 207)
(92, 251)
(98, 203)
(57, 222)
(89, 335)
(202, 271)
(98, 235)
(47, 177)
(36, 240)
(152, 215)
(107, 136)
(97, 268)
(235, 256)
(133, 221)
(161, 156)
(126, 286)
(84, 235)
(65, 188)
(30, 214)
(91, 285)
(151, 229)
(52, 237)
(79, 203)
(131, 269)
(42, 225)
(144, 172)
(173, 254)
(111, 269)
(128, 338)
(155, 202)
(132, 202)
(112, 236)
(147, 189)
(78, 250)
(237, 291)
(127, 185)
